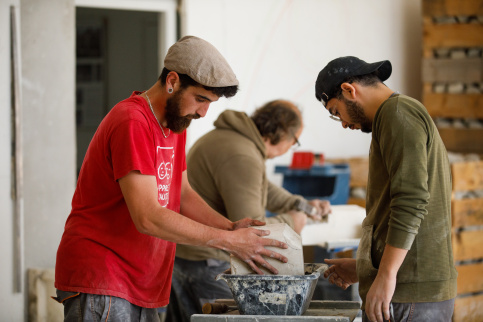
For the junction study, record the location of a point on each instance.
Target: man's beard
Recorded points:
(176, 122)
(357, 116)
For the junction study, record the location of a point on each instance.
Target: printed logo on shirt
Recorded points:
(165, 160)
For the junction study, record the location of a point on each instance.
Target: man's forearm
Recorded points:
(195, 208)
(391, 261)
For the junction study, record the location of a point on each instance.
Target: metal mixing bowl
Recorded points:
(274, 294)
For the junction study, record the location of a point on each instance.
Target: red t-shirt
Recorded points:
(101, 251)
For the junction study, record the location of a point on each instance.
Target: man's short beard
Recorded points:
(176, 122)
(357, 116)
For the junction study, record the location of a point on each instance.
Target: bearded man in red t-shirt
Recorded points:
(133, 202)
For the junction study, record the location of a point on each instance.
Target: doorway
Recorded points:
(118, 51)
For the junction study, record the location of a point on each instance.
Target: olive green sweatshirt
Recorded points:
(226, 167)
(408, 204)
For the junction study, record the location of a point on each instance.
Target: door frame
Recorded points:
(167, 17)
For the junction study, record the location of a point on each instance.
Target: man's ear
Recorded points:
(172, 80)
(348, 90)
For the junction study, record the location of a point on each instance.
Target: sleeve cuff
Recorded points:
(399, 238)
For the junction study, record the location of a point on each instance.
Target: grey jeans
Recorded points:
(193, 285)
(420, 312)
(83, 307)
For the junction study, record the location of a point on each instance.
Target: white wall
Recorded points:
(47, 61)
(277, 49)
(48, 69)
(11, 303)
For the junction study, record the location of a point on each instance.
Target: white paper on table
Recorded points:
(343, 224)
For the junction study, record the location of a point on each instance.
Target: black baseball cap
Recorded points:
(333, 75)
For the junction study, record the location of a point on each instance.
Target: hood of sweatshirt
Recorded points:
(241, 123)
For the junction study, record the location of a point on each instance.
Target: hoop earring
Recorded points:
(170, 90)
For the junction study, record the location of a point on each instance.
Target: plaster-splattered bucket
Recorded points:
(274, 294)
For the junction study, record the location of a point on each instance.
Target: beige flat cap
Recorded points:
(201, 61)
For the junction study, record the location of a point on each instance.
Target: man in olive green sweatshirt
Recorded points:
(404, 262)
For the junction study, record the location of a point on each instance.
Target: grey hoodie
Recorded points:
(227, 168)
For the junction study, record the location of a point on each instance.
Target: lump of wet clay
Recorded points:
(294, 253)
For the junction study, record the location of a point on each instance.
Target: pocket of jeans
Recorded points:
(63, 296)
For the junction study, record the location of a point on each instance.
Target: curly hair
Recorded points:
(277, 119)
(187, 81)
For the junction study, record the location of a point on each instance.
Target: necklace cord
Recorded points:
(159, 123)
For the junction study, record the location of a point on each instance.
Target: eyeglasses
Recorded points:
(335, 118)
(296, 144)
(324, 99)
(333, 115)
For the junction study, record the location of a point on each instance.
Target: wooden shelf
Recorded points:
(453, 105)
(467, 212)
(464, 70)
(468, 309)
(467, 175)
(438, 8)
(469, 278)
(467, 245)
(451, 29)
(357, 201)
(467, 217)
(462, 140)
(450, 35)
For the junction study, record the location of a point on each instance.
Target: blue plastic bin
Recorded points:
(327, 181)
